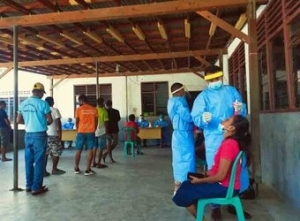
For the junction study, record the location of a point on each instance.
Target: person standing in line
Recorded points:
(86, 124)
(112, 129)
(54, 145)
(101, 134)
(211, 107)
(36, 115)
(4, 131)
(183, 150)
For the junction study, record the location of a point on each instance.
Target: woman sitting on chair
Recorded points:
(215, 183)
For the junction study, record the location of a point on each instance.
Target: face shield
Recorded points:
(186, 93)
(214, 80)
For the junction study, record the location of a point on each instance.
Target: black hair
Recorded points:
(176, 86)
(212, 69)
(100, 101)
(242, 135)
(2, 103)
(108, 103)
(131, 117)
(50, 101)
(83, 98)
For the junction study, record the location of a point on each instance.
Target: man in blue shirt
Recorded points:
(36, 115)
(4, 131)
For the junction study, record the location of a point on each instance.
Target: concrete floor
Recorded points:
(129, 190)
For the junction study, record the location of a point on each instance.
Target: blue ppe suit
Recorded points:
(219, 102)
(143, 123)
(183, 150)
(164, 126)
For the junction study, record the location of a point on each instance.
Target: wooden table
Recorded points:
(68, 135)
(151, 133)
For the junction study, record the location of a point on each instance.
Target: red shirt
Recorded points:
(133, 125)
(229, 150)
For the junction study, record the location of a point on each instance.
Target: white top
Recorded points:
(52, 131)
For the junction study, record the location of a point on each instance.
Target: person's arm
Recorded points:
(77, 122)
(20, 119)
(119, 117)
(184, 112)
(238, 98)
(224, 169)
(58, 127)
(199, 107)
(106, 119)
(49, 118)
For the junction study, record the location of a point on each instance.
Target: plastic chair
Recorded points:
(130, 139)
(229, 199)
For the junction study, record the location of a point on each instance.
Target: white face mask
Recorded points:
(215, 85)
(140, 119)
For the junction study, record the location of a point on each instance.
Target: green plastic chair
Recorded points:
(128, 141)
(229, 199)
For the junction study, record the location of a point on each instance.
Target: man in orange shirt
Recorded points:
(86, 124)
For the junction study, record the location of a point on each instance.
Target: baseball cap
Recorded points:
(39, 86)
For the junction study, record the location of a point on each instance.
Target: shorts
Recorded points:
(85, 138)
(100, 142)
(113, 139)
(4, 137)
(54, 147)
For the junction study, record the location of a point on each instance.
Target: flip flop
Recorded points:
(41, 190)
(6, 159)
(58, 172)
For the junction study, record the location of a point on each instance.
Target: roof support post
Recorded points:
(16, 89)
(254, 89)
(97, 81)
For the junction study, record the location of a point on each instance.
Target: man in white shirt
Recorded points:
(54, 146)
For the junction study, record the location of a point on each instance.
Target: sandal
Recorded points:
(41, 190)
(58, 172)
(6, 159)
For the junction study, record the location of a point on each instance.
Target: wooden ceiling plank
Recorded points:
(111, 13)
(224, 25)
(117, 58)
(162, 30)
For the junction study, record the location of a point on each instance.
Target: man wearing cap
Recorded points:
(36, 115)
(213, 105)
(183, 150)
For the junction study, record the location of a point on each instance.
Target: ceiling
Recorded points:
(67, 37)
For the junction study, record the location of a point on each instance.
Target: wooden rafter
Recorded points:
(5, 72)
(142, 10)
(156, 72)
(117, 58)
(224, 25)
(203, 61)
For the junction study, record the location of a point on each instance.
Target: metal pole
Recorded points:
(51, 87)
(97, 81)
(126, 89)
(15, 138)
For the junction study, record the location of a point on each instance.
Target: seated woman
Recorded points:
(134, 137)
(236, 138)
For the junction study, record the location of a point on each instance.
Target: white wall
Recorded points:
(64, 92)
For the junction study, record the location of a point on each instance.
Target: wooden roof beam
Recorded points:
(121, 12)
(51, 40)
(203, 61)
(117, 58)
(5, 72)
(156, 72)
(115, 34)
(71, 37)
(138, 31)
(187, 28)
(94, 36)
(162, 30)
(224, 25)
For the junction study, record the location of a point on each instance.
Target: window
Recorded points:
(154, 98)
(10, 105)
(264, 80)
(295, 32)
(279, 72)
(90, 92)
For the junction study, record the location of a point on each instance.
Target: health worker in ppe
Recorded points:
(163, 123)
(142, 122)
(183, 150)
(212, 106)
